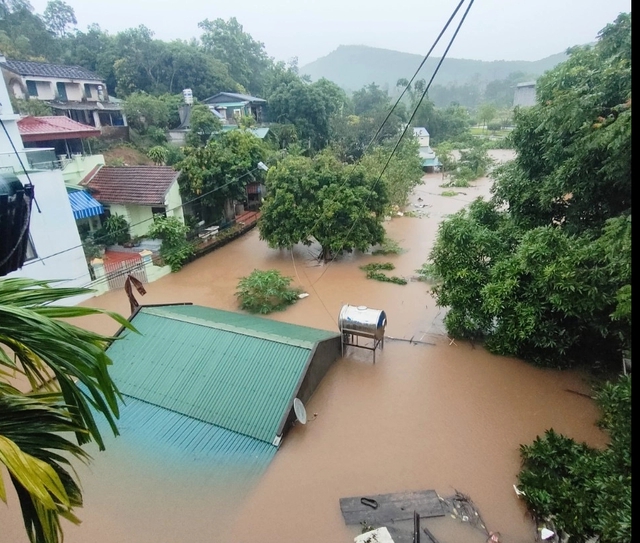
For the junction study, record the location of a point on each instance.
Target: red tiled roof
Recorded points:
(56, 127)
(141, 185)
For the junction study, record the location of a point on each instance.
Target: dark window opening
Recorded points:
(32, 88)
(62, 91)
(159, 211)
(87, 90)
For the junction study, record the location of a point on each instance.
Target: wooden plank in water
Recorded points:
(391, 507)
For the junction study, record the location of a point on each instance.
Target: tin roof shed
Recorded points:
(235, 371)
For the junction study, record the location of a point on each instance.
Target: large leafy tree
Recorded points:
(245, 58)
(218, 172)
(586, 491)
(338, 205)
(42, 432)
(58, 17)
(543, 271)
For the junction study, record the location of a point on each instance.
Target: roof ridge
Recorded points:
(158, 312)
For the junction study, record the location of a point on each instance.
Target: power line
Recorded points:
(415, 110)
(152, 218)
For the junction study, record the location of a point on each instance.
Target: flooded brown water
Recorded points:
(438, 415)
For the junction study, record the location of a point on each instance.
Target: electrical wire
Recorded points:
(152, 218)
(415, 110)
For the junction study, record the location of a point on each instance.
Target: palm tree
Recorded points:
(40, 431)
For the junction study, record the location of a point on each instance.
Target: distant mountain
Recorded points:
(353, 66)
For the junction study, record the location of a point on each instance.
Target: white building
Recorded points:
(55, 251)
(525, 94)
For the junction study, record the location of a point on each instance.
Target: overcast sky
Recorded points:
(493, 30)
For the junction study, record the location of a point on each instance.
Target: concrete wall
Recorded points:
(134, 214)
(76, 169)
(525, 96)
(47, 87)
(173, 202)
(324, 356)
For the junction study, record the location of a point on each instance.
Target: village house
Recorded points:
(232, 106)
(137, 193)
(72, 91)
(525, 94)
(430, 161)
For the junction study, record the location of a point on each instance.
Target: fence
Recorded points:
(116, 272)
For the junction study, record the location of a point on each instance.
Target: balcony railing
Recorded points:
(32, 159)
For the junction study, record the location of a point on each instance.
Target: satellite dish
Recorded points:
(300, 411)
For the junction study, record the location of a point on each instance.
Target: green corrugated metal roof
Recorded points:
(232, 370)
(431, 162)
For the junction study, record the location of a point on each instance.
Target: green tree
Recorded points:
(322, 199)
(58, 17)
(486, 113)
(203, 124)
(245, 58)
(586, 491)
(369, 99)
(219, 171)
(403, 173)
(144, 111)
(543, 271)
(41, 432)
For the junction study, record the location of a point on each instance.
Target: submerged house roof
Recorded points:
(420, 131)
(140, 185)
(236, 372)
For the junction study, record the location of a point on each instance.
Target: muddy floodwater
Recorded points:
(435, 414)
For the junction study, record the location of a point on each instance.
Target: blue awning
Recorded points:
(84, 205)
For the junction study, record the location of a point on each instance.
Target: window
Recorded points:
(31, 250)
(159, 211)
(62, 91)
(32, 88)
(87, 90)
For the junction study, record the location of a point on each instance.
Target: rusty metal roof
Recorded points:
(235, 371)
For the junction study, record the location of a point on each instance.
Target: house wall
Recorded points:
(423, 141)
(53, 230)
(134, 214)
(52, 226)
(525, 96)
(46, 87)
(173, 202)
(76, 169)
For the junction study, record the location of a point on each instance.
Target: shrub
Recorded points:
(175, 249)
(388, 247)
(114, 231)
(266, 291)
(374, 272)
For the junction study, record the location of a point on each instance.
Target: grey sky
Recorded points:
(494, 29)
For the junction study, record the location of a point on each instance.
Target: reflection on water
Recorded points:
(436, 415)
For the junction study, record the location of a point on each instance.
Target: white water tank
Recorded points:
(362, 321)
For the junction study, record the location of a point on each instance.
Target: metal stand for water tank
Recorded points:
(350, 339)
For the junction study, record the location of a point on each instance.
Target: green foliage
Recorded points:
(158, 154)
(266, 291)
(448, 193)
(388, 247)
(114, 231)
(402, 174)
(219, 171)
(58, 17)
(307, 106)
(175, 249)
(34, 107)
(92, 248)
(586, 491)
(203, 124)
(374, 272)
(144, 110)
(41, 432)
(339, 206)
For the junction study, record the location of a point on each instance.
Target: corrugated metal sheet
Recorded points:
(248, 322)
(178, 438)
(216, 372)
